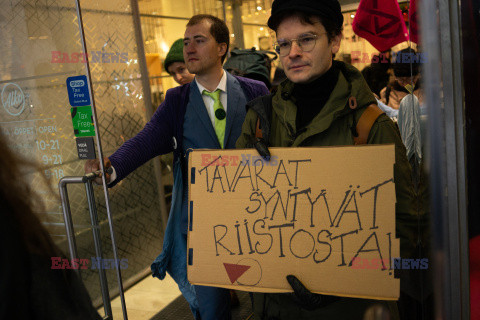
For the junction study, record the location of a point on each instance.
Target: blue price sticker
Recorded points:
(78, 93)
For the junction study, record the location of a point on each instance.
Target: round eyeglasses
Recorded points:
(306, 43)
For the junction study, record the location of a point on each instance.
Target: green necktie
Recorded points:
(220, 115)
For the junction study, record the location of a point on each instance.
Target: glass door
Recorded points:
(41, 49)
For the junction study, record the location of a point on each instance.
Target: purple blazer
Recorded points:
(164, 132)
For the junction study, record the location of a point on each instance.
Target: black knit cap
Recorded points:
(327, 9)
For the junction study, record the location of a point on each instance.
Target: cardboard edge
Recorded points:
(189, 256)
(316, 147)
(268, 290)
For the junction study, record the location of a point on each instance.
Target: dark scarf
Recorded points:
(311, 97)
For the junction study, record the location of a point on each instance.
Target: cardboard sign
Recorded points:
(78, 93)
(82, 121)
(325, 215)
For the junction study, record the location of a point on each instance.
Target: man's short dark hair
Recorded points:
(329, 25)
(218, 29)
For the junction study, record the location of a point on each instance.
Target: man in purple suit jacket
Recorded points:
(187, 120)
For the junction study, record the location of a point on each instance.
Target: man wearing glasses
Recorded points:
(205, 113)
(321, 104)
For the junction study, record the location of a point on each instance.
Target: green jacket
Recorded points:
(331, 127)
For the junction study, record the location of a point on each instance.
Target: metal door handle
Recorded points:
(67, 216)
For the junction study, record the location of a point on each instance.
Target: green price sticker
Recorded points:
(82, 121)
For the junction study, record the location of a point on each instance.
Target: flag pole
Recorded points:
(410, 44)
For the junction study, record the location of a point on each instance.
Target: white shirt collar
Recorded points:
(222, 85)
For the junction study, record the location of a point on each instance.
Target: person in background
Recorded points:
(406, 79)
(175, 65)
(206, 113)
(311, 109)
(378, 73)
(30, 288)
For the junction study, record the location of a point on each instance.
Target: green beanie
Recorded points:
(175, 54)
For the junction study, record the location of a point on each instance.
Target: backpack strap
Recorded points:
(249, 94)
(258, 130)
(262, 127)
(365, 123)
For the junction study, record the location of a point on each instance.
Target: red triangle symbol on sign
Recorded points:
(235, 271)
